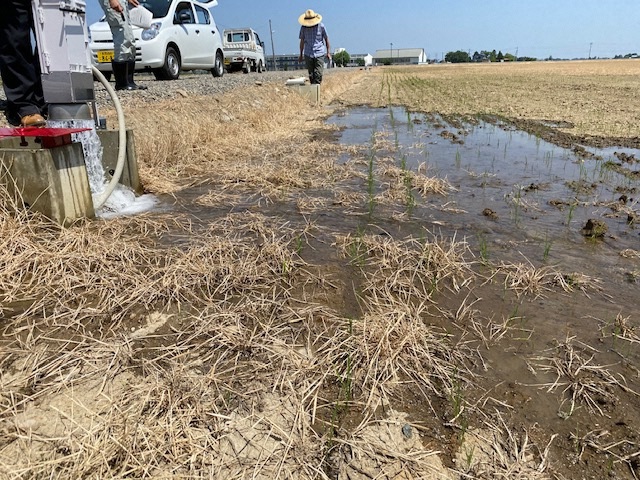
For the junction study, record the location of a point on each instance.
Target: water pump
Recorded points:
(62, 39)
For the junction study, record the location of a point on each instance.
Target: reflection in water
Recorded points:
(518, 198)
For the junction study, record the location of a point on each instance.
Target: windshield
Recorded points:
(159, 8)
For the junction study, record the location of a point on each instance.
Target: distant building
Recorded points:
(354, 59)
(289, 62)
(400, 56)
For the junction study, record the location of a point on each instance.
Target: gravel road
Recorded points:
(191, 84)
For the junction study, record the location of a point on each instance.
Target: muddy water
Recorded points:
(521, 198)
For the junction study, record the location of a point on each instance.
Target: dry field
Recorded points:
(261, 326)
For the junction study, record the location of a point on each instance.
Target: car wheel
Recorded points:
(246, 68)
(171, 68)
(260, 67)
(218, 66)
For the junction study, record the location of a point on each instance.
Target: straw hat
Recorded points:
(310, 18)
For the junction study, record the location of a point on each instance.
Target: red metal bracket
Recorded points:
(50, 137)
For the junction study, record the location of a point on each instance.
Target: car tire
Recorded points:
(246, 68)
(218, 66)
(260, 67)
(171, 68)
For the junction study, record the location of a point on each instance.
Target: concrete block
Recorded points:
(130, 176)
(312, 92)
(51, 181)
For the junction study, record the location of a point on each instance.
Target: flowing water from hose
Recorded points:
(122, 201)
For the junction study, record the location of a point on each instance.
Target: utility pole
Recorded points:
(273, 52)
(516, 54)
(391, 53)
(590, 45)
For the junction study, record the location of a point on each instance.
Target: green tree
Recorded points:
(500, 56)
(457, 57)
(341, 59)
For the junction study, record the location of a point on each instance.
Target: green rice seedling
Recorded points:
(456, 397)
(468, 457)
(371, 193)
(572, 208)
(458, 158)
(408, 184)
(583, 171)
(547, 247)
(516, 202)
(484, 251)
(357, 249)
(299, 243)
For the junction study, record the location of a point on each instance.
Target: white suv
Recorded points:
(183, 36)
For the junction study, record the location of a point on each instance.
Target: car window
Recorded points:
(182, 9)
(159, 8)
(257, 39)
(203, 15)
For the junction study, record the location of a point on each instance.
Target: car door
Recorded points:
(186, 28)
(259, 47)
(206, 32)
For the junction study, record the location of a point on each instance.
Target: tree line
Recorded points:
(461, 56)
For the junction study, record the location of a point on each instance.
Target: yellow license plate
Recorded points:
(105, 56)
(227, 61)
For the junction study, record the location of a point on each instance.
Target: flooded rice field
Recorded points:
(398, 296)
(515, 197)
(519, 200)
(549, 322)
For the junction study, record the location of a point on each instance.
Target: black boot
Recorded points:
(120, 74)
(131, 70)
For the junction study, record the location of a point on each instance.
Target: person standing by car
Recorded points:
(314, 44)
(124, 54)
(20, 66)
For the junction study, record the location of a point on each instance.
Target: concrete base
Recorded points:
(51, 181)
(129, 177)
(312, 92)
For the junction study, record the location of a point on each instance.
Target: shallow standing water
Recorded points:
(540, 195)
(521, 200)
(518, 199)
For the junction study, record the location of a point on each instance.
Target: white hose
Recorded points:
(122, 140)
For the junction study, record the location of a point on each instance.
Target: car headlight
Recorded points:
(151, 32)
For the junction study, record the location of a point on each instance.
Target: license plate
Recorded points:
(105, 56)
(227, 61)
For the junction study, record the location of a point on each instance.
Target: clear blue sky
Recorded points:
(536, 28)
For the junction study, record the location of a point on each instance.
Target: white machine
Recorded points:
(62, 39)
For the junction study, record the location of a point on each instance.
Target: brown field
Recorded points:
(262, 326)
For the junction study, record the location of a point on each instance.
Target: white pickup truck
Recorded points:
(243, 50)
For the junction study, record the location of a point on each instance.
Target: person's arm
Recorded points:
(301, 48)
(326, 41)
(134, 3)
(115, 5)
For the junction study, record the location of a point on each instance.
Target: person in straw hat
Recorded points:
(314, 44)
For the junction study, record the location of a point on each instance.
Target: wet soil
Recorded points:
(526, 192)
(556, 366)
